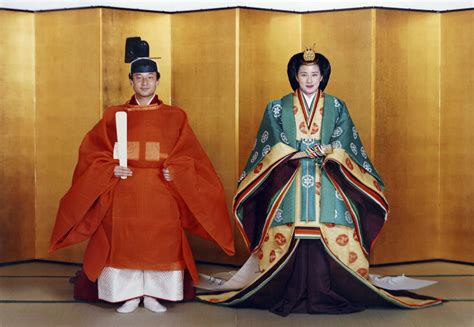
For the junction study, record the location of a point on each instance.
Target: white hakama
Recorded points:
(117, 285)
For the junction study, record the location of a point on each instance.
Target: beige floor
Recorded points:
(23, 284)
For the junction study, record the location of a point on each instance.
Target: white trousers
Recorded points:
(117, 285)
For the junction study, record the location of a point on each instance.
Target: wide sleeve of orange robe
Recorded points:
(84, 205)
(195, 179)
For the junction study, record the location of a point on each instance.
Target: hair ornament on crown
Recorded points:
(309, 54)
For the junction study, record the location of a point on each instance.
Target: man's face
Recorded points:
(144, 84)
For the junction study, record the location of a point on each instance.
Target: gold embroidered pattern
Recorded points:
(133, 150)
(152, 151)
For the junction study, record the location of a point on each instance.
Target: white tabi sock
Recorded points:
(153, 305)
(129, 306)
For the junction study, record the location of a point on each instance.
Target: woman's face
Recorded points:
(309, 77)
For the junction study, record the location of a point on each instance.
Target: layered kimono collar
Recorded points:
(134, 102)
(309, 99)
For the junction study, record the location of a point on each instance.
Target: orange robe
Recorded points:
(139, 222)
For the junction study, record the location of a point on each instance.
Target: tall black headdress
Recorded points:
(308, 57)
(137, 53)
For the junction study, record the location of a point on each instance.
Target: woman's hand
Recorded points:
(318, 151)
(167, 175)
(327, 149)
(122, 172)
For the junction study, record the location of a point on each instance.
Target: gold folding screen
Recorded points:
(17, 128)
(456, 225)
(404, 75)
(68, 103)
(406, 132)
(204, 83)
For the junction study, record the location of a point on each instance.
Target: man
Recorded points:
(135, 217)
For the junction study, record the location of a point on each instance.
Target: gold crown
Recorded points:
(309, 54)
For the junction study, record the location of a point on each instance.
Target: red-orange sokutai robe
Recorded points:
(139, 222)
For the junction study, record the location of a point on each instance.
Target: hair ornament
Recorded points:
(309, 54)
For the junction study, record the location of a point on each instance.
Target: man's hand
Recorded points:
(120, 171)
(167, 175)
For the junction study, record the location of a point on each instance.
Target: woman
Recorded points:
(309, 205)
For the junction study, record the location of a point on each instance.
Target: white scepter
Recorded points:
(121, 124)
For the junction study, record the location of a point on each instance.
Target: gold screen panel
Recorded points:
(17, 121)
(457, 136)
(404, 75)
(406, 132)
(68, 105)
(204, 85)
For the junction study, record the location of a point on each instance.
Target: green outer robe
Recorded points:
(276, 142)
(278, 126)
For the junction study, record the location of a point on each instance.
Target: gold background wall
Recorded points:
(204, 84)
(404, 75)
(17, 127)
(406, 142)
(456, 228)
(68, 104)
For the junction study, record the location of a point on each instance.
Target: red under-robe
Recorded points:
(139, 222)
